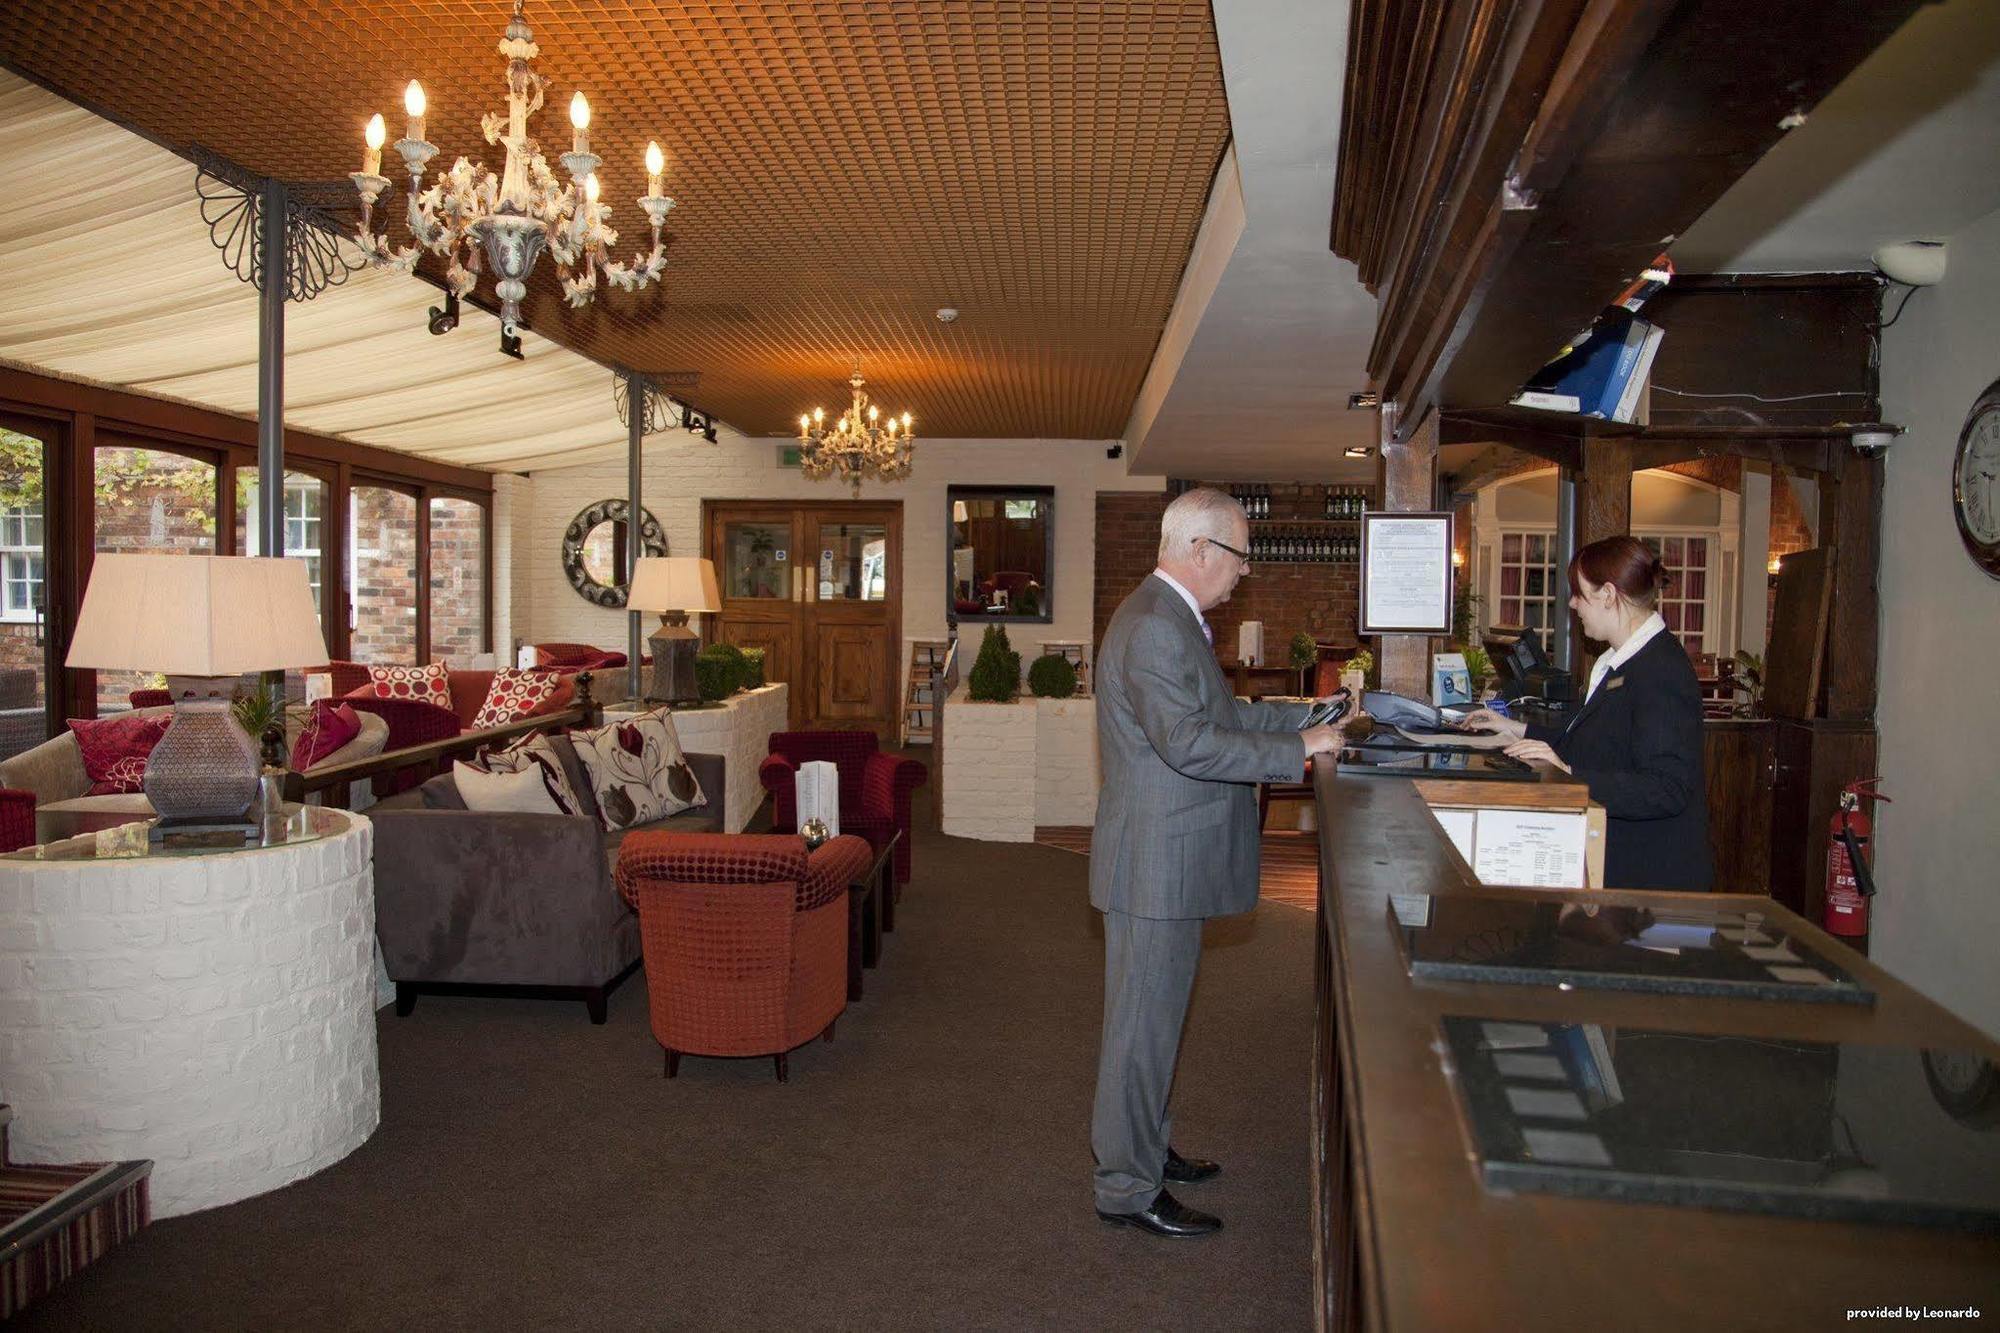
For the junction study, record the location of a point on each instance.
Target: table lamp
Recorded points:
(673, 585)
(198, 615)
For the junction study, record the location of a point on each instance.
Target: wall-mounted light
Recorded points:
(1775, 564)
(1457, 558)
(1360, 450)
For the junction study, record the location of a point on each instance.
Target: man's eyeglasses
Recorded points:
(1244, 556)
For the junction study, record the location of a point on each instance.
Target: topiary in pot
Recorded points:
(715, 675)
(996, 674)
(738, 664)
(1052, 676)
(1305, 653)
(753, 668)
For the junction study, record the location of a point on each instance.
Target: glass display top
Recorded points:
(1689, 950)
(130, 840)
(1832, 1130)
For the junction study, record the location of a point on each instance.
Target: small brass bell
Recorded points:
(815, 832)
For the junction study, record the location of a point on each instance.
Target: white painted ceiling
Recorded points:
(1906, 148)
(1255, 381)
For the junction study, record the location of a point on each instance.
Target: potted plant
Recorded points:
(1478, 669)
(1052, 676)
(1359, 673)
(996, 673)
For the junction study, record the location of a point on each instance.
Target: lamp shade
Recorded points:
(674, 583)
(197, 615)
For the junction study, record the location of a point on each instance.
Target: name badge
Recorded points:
(1615, 683)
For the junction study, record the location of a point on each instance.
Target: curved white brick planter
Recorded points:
(1011, 767)
(213, 1013)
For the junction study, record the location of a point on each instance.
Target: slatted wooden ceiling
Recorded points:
(842, 169)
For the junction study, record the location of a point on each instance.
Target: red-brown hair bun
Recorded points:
(1626, 563)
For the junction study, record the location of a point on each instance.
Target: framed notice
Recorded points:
(1406, 573)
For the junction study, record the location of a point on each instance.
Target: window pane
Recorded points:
(1510, 610)
(1538, 582)
(1510, 584)
(382, 565)
(458, 580)
(155, 502)
(852, 562)
(1510, 547)
(1692, 585)
(305, 499)
(1697, 553)
(1671, 613)
(23, 663)
(1538, 548)
(757, 560)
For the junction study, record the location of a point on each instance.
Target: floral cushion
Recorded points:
(637, 770)
(537, 753)
(515, 693)
(114, 749)
(426, 684)
(329, 727)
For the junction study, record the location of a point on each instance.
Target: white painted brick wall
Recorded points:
(741, 734)
(1066, 775)
(681, 471)
(212, 1013)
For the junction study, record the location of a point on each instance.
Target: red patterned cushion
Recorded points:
(426, 684)
(515, 693)
(538, 753)
(114, 749)
(329, 727)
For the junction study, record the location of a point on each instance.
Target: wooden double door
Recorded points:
(818, 586)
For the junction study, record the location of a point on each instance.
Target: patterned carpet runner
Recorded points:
(56, 1219)
(1290, 863)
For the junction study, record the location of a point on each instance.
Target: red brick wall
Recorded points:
(1789, 531)
(1317, 599)
(458, 597)
(385, 584)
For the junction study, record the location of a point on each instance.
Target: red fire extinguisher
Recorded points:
(1849, 882)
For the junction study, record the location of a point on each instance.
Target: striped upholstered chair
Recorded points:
(744, 936)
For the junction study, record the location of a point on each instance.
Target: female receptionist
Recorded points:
(1637, 738)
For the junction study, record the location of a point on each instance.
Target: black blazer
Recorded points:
(1638, 744)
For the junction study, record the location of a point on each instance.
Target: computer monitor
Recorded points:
(1523, 668)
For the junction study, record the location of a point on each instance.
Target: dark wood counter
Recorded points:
(1408, 1238)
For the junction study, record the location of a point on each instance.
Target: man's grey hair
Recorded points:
(1201, 512)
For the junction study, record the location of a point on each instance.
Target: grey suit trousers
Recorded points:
(1149, 967)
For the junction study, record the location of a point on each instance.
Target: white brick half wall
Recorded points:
(1011, 767)
(215, 1014)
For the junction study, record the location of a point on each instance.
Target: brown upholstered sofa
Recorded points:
(481, 903)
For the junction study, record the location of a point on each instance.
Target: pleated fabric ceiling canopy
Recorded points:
(843, 171)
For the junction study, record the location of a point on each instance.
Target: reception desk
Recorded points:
(1411, 1235)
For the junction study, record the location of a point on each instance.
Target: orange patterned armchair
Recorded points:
(744, 936)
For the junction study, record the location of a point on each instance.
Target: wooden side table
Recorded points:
(870, 901)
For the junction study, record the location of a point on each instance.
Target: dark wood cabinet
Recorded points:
(1736, 754)
(1811, 762)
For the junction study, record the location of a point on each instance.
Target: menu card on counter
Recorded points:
(1406, 573)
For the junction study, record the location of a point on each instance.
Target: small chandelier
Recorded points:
(855, 448)
(469, 212)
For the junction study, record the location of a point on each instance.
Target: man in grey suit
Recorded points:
(1176, 841)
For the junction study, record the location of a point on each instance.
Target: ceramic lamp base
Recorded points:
(204, 770)
(674, 647)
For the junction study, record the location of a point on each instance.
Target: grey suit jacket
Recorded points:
(1176, 831)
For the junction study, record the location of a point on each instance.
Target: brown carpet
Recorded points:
(929, 1169)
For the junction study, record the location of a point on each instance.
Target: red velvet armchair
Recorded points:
(411, 722)
(874, 787)
(574, 657)
(744, 936)
(17, 819)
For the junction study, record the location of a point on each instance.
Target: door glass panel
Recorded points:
(853, 562)
(757, 560)
(382, 572)
(458, 580)
(23, 564)
(153, 502)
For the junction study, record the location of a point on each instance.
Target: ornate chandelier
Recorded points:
(855, 448)
(468, 212)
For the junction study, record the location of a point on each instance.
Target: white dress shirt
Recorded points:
(1625, 652)
(1187, 597)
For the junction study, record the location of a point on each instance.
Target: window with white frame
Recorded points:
(1528, 585)
(1684, 597)
(20, 562)
(302, 525)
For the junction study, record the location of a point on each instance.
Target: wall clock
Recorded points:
(1975, 481)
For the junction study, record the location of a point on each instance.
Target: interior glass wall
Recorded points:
(458, 580)
(152, 501)
(382, 576)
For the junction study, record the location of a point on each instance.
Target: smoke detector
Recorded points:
(947, 313)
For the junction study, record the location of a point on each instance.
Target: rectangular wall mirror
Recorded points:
(1001, 553)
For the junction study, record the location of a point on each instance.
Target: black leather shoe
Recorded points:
(1167, 1216)
(1189, 1170)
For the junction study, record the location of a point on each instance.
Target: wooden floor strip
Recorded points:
(1290, 863)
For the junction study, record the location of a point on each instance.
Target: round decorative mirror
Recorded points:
(593, 550)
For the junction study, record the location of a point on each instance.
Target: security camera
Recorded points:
(1873, 441)
(1912, 263)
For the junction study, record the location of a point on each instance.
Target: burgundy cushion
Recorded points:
(114, 749)
(330, 727)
